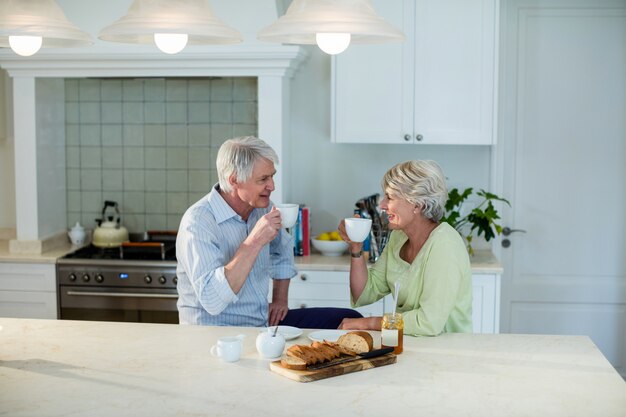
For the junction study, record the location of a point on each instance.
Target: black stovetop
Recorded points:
(126, 253)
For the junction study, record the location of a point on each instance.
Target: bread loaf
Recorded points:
(358, 341)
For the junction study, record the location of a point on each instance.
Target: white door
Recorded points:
(561, 160)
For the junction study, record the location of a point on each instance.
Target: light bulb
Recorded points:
(25, 45)
(332, 43)
(171, 43)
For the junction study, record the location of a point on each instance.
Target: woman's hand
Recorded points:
(354, 246)
(365, 323)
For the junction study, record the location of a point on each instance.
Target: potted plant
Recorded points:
(481, 220)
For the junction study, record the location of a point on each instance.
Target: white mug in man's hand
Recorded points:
(288, 214)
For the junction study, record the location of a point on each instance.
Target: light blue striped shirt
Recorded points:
(210, 233)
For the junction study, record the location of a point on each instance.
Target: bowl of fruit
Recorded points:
(330, 244)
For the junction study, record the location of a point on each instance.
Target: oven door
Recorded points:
(118, 304)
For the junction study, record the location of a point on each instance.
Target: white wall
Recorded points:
(7, 171)
(330, 177)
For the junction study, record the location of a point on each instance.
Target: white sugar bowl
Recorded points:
(77, 234)
(270, 345)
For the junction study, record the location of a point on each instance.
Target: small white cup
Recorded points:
(228, 349)
(288, 214)
(357, 228)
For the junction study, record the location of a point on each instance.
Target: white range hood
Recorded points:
(40, 210)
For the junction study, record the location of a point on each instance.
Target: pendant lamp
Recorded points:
(171, 25)
(28, 25)
(332, 24)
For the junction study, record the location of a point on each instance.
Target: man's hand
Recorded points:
(365, 323)
(266, 228)
(277, 312)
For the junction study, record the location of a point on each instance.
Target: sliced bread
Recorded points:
(292, 362)
(358, 341)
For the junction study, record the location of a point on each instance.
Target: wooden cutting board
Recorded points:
(340, 369)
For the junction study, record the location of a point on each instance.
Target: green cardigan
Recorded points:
(436, 289)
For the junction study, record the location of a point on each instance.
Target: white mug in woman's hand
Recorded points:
(357, 228)
(228, 349)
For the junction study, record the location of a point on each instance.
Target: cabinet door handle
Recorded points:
(407, 137)
(419, 138)
(303, 277)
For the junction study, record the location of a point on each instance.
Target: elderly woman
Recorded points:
(428, 258)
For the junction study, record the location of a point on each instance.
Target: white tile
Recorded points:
(156, 222)
(154, 90)
(155, 180)
(90, 135)
(244, 89)
(221, 112)
(71, 113)
(71, 90)
(112, 157)
(154, 112)
(220, 133)
(134, 180)
(91, 201)
(72, 136)
(199, 181)
(176, 90)
(173, 221)
(132, 135)
(176, 203)
(111, 135)
(194, 197)
(111, 90)
(72, 157)
(111, 113)
(200, 158)
(133, 157)
(132, 90)
(176, 112)
(199, 90)
(72, 177)
(245, 112)
(176, 135)
(135, 223)
(90, 157)
(89, 112)
(89, 90)
(176, 180)
(134, 201)
(112, 180)
(113, 195)
(154, 157)
(73, 201)
(154, 135)
(177, 158)
(244, 130)
(199, 135)
(132, 112)
(199, 112)
(88, 218)
(156, 202)
(90, 179)
(73, 217)
(222, 89)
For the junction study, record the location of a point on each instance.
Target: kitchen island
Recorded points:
(64, 368)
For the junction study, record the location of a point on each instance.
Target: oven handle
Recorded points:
(121, 294)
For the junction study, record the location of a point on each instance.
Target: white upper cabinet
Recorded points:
(437, 87)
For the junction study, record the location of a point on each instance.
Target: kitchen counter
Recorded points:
(483, 262)
(62, 368)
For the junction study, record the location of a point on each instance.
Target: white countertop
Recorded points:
(483, 262)
(72, 368)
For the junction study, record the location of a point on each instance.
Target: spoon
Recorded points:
(395, 296)
(275, 331)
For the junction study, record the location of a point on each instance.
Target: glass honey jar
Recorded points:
(392, 332)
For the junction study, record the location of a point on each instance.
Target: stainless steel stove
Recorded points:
(135, 282)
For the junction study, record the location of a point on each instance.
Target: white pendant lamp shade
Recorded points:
(164, 21)
(305, 19)
(27, 25)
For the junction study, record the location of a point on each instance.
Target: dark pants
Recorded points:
(318, 317)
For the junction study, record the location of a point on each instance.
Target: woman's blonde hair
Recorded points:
(421, 183)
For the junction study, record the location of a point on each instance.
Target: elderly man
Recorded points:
(230, 243)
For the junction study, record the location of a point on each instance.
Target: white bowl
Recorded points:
(330, 247)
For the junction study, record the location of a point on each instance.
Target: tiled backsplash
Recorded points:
(149, 144)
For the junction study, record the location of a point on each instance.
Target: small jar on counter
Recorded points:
(392, 332)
